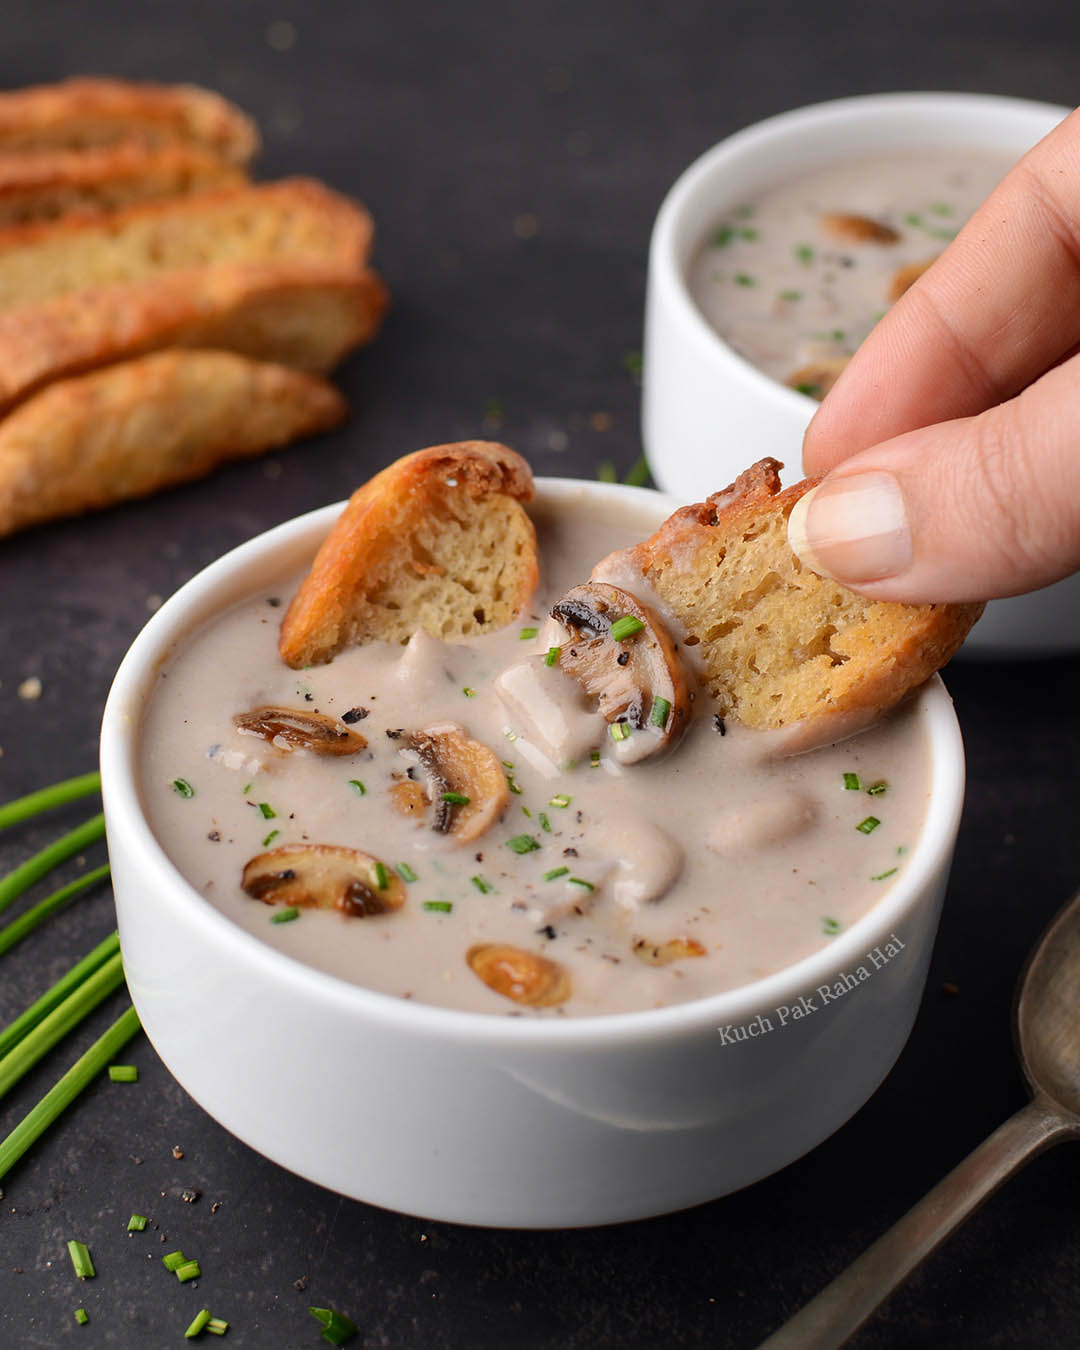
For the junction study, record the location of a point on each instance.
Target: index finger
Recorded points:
(997, 309)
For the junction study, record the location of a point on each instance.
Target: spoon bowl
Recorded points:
(1048, 1013)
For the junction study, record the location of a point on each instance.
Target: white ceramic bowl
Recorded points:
(497, 1120)
(706, 411)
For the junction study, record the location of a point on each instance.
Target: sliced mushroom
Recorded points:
(526, 977)
(906, 277)
(298, 729)
(817, 378)
(324, 876)
(664, 953)
(638, 680)
(409, 799)
(466, 781)
(853, 229)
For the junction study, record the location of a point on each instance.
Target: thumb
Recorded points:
(972, 509)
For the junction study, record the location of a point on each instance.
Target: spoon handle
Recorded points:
(840, 1309)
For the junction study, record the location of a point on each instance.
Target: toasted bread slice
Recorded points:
(46, 184)
(277, 272)
(438, 541)
(80, 113)
(777, 643)
(142, 425)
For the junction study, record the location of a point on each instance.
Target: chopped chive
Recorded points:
(484, 887)
(358, 787)
(594, 759)
(523, 843)
(382, 876)
(217, 1326)
(637, 475)
(912, 218)
(137, 1223)
(18, 928)
(744, 279)
(555, 873)
(580, 881)
(941, 208)
(878, 789)
(182, 787)
(528, 633)
(22, 808)
(174, 1260)
(525, 811)
(267, 811)
(513, 784)
(880, 876)
(830, 927)
(545, 824)
(456, 798)
(901, 850)
(791, 295)
(749, 234)
(869, 825)
(626, 627)
(606, 472)
(246, 789)
(552, 656)
(337, 1329)
(285, 915)
(123, 1073)
(198, 1322)
(560, 799)
(24, 876)
(851, 782)
(804, 254)
(438, 906)
(810, 389)
(619, 731)
(82, 1316)
(722, 236)
(64, 1092)
(405, 872)
(80, 1259)
(660, 709)
(508, 765)
(270, 838)
(188, 1271)
(633, 364)
(510, 733)
(469, 693)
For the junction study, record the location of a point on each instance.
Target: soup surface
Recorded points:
(743, 860)
(789, 283)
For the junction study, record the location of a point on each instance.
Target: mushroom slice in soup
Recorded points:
(816, 379)
(664, 953)
(906, 277)
(324, 876)
(525, 977)
(297, 729)
(621, 654)
(853, 229)
(466, 781)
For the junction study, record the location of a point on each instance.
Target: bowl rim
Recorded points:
(129, 833)
(667, 275)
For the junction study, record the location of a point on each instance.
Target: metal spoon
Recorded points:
(1047, 1031)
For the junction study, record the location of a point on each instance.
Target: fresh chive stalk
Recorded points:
(851, 782)
(217, 1326)
(123, 1073)
(527, 634)
(545, 824)
(619, 732)
(174, 1260)
(70, 790)
(188, 1270)
(183, 788)
(358, 787)
(580, 881)
(878, 789)
(382, 876)
(82, 1316)
(137, 1223)
(267, 811)
(80, 1259)
(594, 759)
(869, 825)
(456, 798)
(661, 709)
(198, 1323)
(469, 693)
(405, 872)
(523, 843)
(482, 885)
(24, 876)
(637, 475)
(880, 876)
(606, 471)
(830, 927)
(438, 906)
(552, 657)
(336, 1328)
(513, 784)
(285, 915)
(560, 799)
(626, 627)
(63, 1093)
(270, 838)
(555, 873)
(11, 1035)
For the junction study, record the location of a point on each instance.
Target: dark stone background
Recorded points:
(451, 122)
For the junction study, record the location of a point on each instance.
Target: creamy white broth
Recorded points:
(766, 860)
(786, 294)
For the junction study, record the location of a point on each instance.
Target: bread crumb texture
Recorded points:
(778, 643)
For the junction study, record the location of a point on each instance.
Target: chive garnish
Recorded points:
(791, 295)
(722, 236)
(405, 872)
(137, 1223)
(911, 218)
(523, 843)
(619, 731)
(217, 1326)
(606, 472)
(513, 784)
(456, 798)
(246, 789)
(637, 475)
(13, 1034)
(660, 710)
(555, 873)
(198, 1322)
(941, 208)
(510, 733)
(173, 1260)
(869, 825)
(626, 627)
(285, 915)
(438, 906)
(851, 782)
(188, 1271)
(484, 887)
(337, 1329)
(560, 799)
(382, 876)
(24, 876)
(594, 759)
(18, 928)
(182, 787)
(633, 364)
(358, 787)
(804, 254)
(545, 824)
(469, 693)
(267, 811)
(525, 811)
(880, 876)
(82, 1316)
(580, 881)
(22, 808)
(270, 838)
(810, 389)
(552, 656)
(80, 1259)
(528, 633)
(878, 789)
(744, 279)
(830, 927)
(123, 1073)
(749, 234)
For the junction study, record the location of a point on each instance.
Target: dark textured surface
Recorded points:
(453, 122)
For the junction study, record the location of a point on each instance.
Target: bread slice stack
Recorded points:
(128, 225)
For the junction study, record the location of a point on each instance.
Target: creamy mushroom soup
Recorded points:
(795, 279)
(498, 824)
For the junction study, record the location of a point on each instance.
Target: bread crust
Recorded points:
(88, 111)
(723, 567)
(373, 535)
(143, 425)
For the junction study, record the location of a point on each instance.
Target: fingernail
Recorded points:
(853, 529)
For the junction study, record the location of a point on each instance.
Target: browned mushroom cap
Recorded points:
(638, 679)
(324, 876)
(301, 730)
(906, 277)
(858, 229)
(818, 377)
(523, 976)
(466, 782)
(664, 953)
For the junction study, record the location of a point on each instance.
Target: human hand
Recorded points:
(952, 439)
